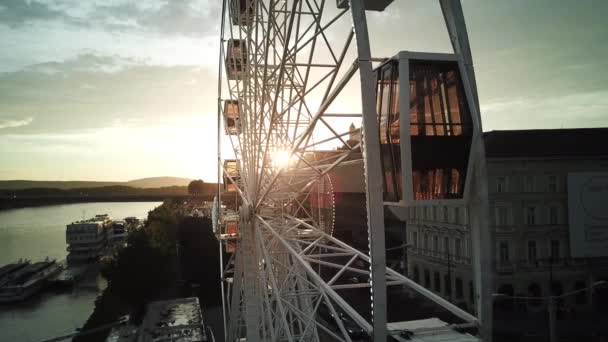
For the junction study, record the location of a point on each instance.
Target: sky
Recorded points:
(115, 90)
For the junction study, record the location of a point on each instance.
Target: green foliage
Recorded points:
(161, 228)
(141, 270)
(196, 187)
(199, 258)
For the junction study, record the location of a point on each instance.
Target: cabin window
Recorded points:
(231, 168)
(232, 114)
(440, 130)
(387, 102)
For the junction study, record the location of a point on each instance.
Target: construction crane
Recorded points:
(291, 72)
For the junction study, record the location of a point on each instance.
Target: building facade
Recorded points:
(529, 215)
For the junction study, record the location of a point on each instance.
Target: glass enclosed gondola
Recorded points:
(236, 58)
(230, 232)
(242, 12)
(232, 117)
(429, 159)
(231, 171)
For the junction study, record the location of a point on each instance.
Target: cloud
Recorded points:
(583, 109)
(172, 18)
(12, 123)
(167, 147)
(93, 89)
(87, 62)
(187, 18)
(15, 13)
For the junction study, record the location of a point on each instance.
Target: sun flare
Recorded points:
(281, 158)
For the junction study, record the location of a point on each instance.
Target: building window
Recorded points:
(435, 243)
(436, 213)
(534, 290)
(459, 291)
(471, 292)
(416, 274)
(458, 248)
(445, 214)
(553, 215)
(552, 184)
(501, 184)
(427, 213)
(437, 284)
(531, 216)
(446, 245)
(501, 216)
(504, 251)
(531, 251)
(415, 238)
(581, 297)
(427, 279)
(457, 215)
(529, 183)
(448, 285)
(426, 242)
(554, 249)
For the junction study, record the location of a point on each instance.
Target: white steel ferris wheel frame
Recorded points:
(274, 279)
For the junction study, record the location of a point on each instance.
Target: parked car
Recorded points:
(353, 329)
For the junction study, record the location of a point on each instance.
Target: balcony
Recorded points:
(439, 257)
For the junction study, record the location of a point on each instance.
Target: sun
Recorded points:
(281, 158)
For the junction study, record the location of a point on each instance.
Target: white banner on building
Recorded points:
(588, 214)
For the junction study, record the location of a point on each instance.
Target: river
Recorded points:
(35, 233)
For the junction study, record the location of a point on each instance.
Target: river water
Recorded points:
(35, 233)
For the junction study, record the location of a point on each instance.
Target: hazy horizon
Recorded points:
(92, 180)
(115, 90)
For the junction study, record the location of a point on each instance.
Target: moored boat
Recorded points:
(29, 279)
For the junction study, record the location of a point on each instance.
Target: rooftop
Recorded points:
(571, 142)
(430, 330)
(178, 320)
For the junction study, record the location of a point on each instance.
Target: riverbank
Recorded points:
(42, 201)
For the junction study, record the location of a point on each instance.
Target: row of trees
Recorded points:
(199, 187)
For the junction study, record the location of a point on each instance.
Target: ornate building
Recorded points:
(529, 213)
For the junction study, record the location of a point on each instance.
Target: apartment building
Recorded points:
(528, 174)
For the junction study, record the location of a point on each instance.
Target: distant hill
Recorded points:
(153, 182)
(158, 182)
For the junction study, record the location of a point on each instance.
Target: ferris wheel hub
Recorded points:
(246, 213)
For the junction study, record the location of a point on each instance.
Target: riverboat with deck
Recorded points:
(21, 280)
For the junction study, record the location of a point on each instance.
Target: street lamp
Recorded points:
(551, 300)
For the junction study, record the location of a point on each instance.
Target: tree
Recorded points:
(196, 187)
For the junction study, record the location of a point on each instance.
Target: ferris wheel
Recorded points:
(291, 75)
